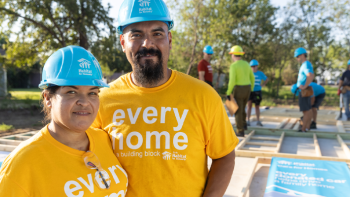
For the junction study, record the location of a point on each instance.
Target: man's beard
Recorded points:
(149, 73)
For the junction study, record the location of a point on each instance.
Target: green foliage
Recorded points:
(48, 25)
(4, 127)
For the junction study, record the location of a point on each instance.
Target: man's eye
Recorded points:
(71, 92)
(136, 35)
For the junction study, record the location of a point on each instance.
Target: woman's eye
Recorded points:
(71, 92)
(93, 93)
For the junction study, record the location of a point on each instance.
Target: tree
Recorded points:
(47, 25)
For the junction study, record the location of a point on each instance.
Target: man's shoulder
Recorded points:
(307, 63)
(193, 85)
(117, 84)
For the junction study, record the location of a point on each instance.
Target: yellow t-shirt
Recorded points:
(162, 135)
(42, 166)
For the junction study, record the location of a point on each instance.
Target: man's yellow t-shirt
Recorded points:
(42, 166)
(162, 135)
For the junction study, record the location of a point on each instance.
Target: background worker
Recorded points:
(305, 77)
(205, 71)
(241, 82)
(316, 100)
(256, 96)
(344, 87)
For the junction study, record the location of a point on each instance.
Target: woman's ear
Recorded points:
(47, 99)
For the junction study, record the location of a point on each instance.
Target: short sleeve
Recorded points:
(222, 138)
(263, 76)
(10, 188)
(308, 68)
(201, 66)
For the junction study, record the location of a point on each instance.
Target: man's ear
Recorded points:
(47, 99)
(170, 40)
(122, 42)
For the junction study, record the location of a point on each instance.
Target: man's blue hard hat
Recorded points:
(72, 66)
(349, 62)
(254, 63)
(299, 51)
(134, 11)
(208, 49)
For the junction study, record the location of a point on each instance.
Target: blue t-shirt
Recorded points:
(258, 77)
(318, 89)
(305, 68)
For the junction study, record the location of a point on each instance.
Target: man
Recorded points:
(316, 100)
(344, 87)
(241, 82)
(164, 124)
(305, 77)
(256, 96)
(205, 72)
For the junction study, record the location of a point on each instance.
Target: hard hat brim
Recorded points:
(237, 53)
(76, 82)
(141, 19)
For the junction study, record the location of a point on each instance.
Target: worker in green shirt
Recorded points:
(241, 83)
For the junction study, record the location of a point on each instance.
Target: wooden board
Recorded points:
(243, 151)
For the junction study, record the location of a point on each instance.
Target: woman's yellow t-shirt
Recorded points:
(162, 136)
(42, 166)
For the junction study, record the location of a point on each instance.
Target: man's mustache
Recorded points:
(144, 52)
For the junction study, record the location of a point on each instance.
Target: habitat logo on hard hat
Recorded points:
(84, 63)
(144, 2)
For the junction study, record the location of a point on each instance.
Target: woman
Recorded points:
(66, 158)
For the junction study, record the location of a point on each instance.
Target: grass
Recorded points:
(25, 94)
(285, 97)
(22, 99)
(4, 127)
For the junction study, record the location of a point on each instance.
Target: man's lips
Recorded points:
(82, 113)
(148, 56)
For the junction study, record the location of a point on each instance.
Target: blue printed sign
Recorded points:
(311, 178)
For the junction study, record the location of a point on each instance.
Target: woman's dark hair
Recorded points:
(47, 111)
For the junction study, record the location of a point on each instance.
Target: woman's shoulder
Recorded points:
(24, 152)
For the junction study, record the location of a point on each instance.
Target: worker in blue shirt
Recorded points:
(256, 96)
(316, 100)
(305, 77)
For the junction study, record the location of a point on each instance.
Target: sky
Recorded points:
(116, 4)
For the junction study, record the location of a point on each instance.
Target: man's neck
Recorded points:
(303, 61)
(235, 60)
(167, 75)
(207, 59)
